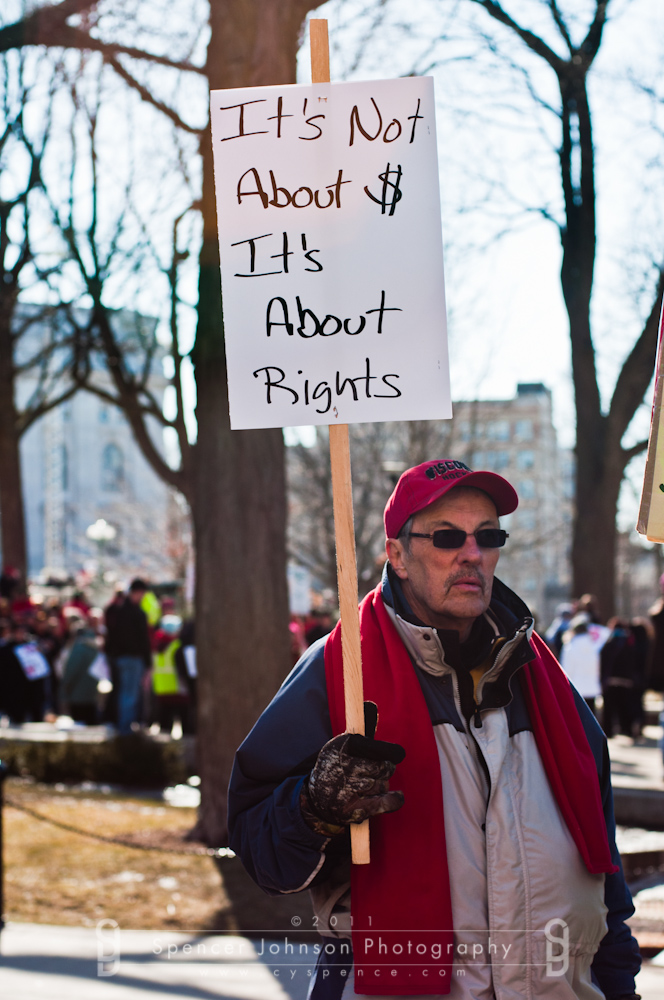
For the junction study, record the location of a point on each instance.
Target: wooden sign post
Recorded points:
(331, 253)
(651, 511)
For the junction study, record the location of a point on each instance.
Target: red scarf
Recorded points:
(401, 909)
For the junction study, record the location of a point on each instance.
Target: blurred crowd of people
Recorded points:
(130, 665)
(133, 664)
(307, 629)
(617, 661)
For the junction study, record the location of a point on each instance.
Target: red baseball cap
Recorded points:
(423, 484)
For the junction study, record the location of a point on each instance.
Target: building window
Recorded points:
(525, 460)
(64, 468)
(112, 469)
(103, 415)
(499, 430)
(526, 489)
(497, 460)
(523, 430)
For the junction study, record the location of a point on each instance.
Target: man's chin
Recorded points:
(466, 606)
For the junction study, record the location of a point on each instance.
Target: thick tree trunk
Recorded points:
(600, 467)
(239, 482)
(12, 520)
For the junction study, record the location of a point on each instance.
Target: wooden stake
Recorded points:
(343, 522)
(320, 51)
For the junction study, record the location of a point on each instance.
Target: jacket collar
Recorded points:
(509, 627)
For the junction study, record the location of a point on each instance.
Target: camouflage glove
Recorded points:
(349, 781)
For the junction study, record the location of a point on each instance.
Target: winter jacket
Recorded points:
(127, 631)
(514, 868)
(78, 685)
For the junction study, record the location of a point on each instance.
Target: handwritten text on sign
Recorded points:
(331, 253)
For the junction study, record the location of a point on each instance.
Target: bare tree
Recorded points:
(38, 343)
(379, 454)
(601, 455)
(524, 89)
(237, 480)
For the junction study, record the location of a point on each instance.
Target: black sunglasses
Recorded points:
(455, 538)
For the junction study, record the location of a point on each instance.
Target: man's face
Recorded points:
(448, 588)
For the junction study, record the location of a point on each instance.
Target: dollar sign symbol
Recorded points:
(397, 194)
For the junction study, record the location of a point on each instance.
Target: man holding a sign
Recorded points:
(494, 871)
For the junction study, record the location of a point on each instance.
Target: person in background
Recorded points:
(297, 640)
(10, 579)
(13, 683)
(321, 625)
(110, 709)
(185, 661)
(556, 630)
(579, 657)
(169, 687)
(78, 601)
(23, 674)
(589, 604)
(655, 679)
(78, 686)
(643, 633)
(128, 644)
(151, 607)
(621, 676)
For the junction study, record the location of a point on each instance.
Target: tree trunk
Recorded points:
(12, 520)
(600, 467)
(239, 482)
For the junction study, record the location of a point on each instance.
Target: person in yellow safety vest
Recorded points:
(152, 608)
(165, 679)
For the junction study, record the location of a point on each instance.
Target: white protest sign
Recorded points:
(190, 660)
(331, 253)
(34, 663)
(99, 668)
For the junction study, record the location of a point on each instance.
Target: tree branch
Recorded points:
(28, 417)
(533, 41)
(637, 371)
(48, 27)
(591, 43)
(147, 96)
(636, 449)
(560, 22)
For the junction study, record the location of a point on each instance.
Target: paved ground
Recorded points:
(638, 764)
(67, 963)
(39, 962)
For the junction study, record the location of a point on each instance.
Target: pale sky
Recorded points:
(507, 321)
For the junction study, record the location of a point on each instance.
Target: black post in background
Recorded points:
(3, 775)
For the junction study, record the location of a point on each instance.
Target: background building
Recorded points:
(80, 463)
(516, 438)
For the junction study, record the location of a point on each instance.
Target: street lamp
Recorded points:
(100, 532)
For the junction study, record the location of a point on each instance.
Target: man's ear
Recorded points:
(395, 553)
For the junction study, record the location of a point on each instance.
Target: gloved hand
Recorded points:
(349, 781)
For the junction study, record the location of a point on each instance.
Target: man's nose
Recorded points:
(470, 550)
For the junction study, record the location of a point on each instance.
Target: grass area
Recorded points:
(57, 877)
(54, 876)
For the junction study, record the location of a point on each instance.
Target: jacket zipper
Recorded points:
(468, 729)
